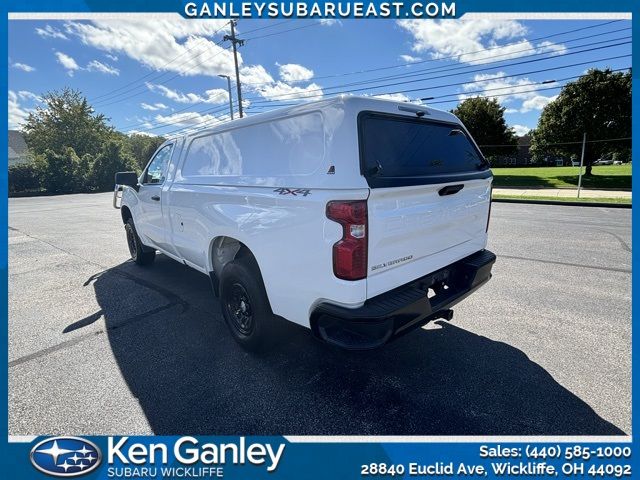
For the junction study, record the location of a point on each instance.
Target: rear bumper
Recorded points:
(393, 313)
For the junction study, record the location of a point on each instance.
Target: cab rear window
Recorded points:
(398, 150)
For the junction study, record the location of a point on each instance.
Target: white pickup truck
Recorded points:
(355, 217)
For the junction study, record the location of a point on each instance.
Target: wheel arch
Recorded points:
(126, 213)
(222, 250)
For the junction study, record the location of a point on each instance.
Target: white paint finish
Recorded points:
(423, 231)
(289, 235)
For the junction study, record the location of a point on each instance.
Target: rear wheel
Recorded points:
(140, 253)
(245, 305)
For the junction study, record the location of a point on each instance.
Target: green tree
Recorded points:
(59, 172)
(484, 118)
(66, 120)
(113, 158)
(598, 104)
(142, 147)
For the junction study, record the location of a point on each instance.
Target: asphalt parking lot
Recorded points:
(98, 345)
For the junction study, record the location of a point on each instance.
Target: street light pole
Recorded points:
(230, 97)
(584, 146)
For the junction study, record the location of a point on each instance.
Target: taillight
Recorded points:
(350, 253)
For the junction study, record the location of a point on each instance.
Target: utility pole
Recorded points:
(584, 146)
(234, 42)
(230, 97)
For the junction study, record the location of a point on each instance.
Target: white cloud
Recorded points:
(27, 95)
(329, 22)
(188, 48)
(154, 107)
(113, 58)
(292, 72)
(50, 32)
(140, 132)
(555, 48)
(17, 114)
(468, 39)
(96, 66)
(257, 78)
(281, 91)
(178, 45)
(255, 75)
(537, 102)
(24, 67)
(520, 129)
(215, 95)
(507, 90)
(398, 97)
(409, 59)
(67, 62)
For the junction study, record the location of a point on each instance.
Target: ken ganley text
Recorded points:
(187, 457)
(320, 10)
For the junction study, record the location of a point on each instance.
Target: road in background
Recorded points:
(98, 345)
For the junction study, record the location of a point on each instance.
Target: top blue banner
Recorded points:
(266, 9)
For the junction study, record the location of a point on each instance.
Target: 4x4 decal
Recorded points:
(293, 191)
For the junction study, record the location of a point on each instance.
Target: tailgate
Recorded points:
(414, 231)
(429, 201)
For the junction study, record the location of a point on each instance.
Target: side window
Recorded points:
(157, 168)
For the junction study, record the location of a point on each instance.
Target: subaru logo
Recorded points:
(65, 456)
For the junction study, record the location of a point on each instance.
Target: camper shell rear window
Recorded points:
(397, 150)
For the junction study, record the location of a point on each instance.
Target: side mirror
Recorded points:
(130, 179)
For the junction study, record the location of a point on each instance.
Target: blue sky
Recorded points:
(160, 75)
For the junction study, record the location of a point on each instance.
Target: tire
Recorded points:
(245, 305)
(140, 253)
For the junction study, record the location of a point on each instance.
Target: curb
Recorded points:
(556, 202)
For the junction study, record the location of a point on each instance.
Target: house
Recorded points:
(18, 151)
(523, 156)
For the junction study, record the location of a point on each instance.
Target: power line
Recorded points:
(197, 64)
(163, 66)
(259, 99)
(290, 97)
(208, 110)
(443, 101)
(165, 81)
(458, 56)
(516, 89)
(481, 96)
(271, 25)
(445, 68)
(315, 24)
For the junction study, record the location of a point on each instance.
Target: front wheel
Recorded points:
(245, 305)
(140, 254)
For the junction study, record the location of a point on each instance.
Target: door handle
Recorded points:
(156, 198)
(450, 189)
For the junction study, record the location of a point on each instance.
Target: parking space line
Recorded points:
(554, 262)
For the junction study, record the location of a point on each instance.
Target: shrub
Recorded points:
(24, 177)
(111, 159)
(60, 173)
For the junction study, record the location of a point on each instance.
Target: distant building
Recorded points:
(522, 157)
(524, 154)
(18, 151)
